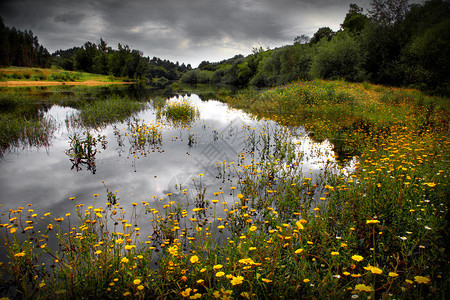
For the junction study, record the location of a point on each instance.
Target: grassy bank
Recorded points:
(53, 74)
(377, 230)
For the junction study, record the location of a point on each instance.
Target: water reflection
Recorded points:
(82, 151)
(146, 158)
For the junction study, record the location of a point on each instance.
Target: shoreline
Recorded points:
(19, 83)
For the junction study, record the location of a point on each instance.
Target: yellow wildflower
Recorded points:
(237, 280)
(357, 257)
(20, 254)
(421, 279)
(363, 287)
(372, 221)
(220, 274)
(299, 225)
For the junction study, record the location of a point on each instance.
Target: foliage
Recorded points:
(395, 44)
(323, 33)
(112, 109)
(339, 58)
(21, 48)
(180, 111)
(123, 62)
(354, 21)
(388, 12)
(196, 76)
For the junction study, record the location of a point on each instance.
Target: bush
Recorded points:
(340, 58)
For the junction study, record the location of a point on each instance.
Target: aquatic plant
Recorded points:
(82, 151)
(101, 112)
(180, 111)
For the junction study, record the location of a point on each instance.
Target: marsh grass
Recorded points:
(21, 125)
(99, 113)
(180, 111)
(377, 229)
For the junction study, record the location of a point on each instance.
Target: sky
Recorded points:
(187, 31)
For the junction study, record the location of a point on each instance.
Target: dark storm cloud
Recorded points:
(187, 31)
(70, 18)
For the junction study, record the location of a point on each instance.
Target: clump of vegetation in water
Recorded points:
(180, 111)
(106, 111)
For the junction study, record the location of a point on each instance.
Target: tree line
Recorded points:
(21, 48)
(121, 62)
(394, 43)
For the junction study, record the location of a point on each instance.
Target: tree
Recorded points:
(426, 56)
(118, 60)
(340, 58)
(388, 12)
(206, 65)
(21, 48)
(4, 44)
(354, 21)
(84, 57)
(323, 32)
(302, 39)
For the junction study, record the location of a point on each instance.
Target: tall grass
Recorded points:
(21, 125)
(180, 111)
(102, 112)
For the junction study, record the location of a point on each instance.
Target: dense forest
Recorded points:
(393, 44)
(21, 48)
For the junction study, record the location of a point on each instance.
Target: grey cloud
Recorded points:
(174, 29)
(70, 18)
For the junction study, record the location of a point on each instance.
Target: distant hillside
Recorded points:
(405, 46)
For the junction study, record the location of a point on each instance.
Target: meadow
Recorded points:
(373, 224)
